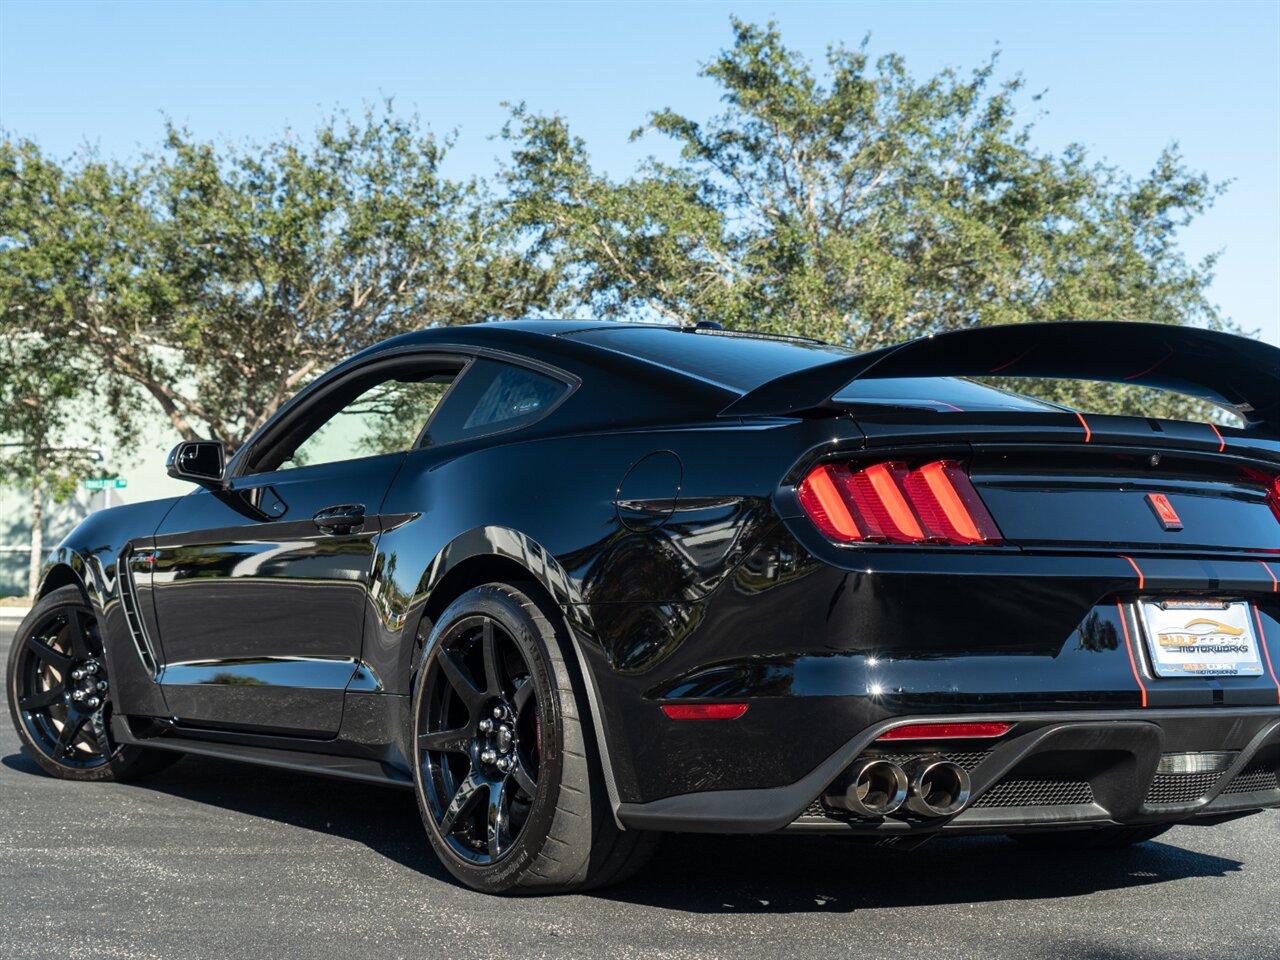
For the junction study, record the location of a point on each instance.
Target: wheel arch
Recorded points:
(470, 573)
(61, 575)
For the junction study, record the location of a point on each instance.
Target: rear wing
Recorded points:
(1231, 371)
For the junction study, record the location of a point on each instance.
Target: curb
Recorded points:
(13, 613)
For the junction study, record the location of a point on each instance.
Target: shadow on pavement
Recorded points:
(717, 874)
(706, 874)
(385, 819)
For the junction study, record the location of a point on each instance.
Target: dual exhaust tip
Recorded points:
(928, 787)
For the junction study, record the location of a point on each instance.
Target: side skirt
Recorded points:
(370, 747)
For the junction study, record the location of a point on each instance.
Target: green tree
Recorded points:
(214, 283)
(862, 207)
(40, 449)
(292, 256)
(46, 380)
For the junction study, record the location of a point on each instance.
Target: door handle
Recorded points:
(341, 518)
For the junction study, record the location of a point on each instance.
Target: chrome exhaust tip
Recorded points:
(937, 788)
(869, 788)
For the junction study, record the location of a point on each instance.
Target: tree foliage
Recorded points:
(862, 207)
(855, 203)
(217, 282)
(41, 449)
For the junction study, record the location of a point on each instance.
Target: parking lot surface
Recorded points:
(217, 860)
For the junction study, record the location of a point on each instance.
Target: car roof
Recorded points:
(727, 362)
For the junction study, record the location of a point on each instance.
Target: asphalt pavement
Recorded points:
(222, 861)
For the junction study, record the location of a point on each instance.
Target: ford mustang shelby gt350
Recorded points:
(579, 583)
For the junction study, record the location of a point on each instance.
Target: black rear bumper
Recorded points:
(1052, 769)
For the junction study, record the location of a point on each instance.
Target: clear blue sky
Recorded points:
(1125, 79)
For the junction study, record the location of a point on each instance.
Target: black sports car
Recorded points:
(576, 583)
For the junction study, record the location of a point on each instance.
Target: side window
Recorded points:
(371, 418)
(493, 396)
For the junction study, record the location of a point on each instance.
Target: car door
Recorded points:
(261, 589)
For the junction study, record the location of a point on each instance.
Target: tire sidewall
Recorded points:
(510, 608)
(124, 755)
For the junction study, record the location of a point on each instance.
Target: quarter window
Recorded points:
(493, 396)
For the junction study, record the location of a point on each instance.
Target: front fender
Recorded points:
(89, 556)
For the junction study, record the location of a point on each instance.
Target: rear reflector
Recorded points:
(887, 502)
(1187, 764)
(947, 731)
(704, 711)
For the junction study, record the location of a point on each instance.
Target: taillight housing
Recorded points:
(889, 502)
(1273, 496)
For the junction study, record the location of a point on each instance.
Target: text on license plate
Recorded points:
(1201, 638)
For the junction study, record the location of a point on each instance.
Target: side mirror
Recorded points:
(200, 461)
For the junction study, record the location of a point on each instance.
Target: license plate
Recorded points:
(1201, 638)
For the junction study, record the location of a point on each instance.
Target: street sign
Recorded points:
(106, 483)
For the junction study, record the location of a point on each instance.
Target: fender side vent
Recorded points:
(132, 616)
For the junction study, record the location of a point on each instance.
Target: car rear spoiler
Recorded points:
(1231, 371)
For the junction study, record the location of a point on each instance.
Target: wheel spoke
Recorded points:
(456, 674)
(43, 698)
(462, 801)
(523, 694)
(43, 651)
(457, 740)
(489, 646)
(79, 645)
(101, 737)
(70, 730)
(520, 773)
(499, 819)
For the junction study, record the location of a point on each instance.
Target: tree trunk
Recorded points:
(37, 536)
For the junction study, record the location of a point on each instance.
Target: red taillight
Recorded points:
(877, 490)
(947, 731)
(1273, 496)
(825, 506)
(935, 503)
(704, 711)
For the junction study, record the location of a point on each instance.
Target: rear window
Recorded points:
(738, 362)
(742, 363)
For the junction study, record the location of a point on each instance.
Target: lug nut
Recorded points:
(102, 684)
(77, 674)
(488, 756)
(486, 726)
(77, 694)
(94, 703)
(91, 667)
(505, 764)
(497, 713)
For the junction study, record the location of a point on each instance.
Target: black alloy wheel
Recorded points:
(60, 695)
(478, 739)
(62, 688)
(509, 782)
